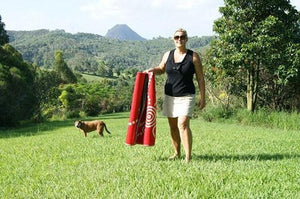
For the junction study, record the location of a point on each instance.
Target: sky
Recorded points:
(149, 18)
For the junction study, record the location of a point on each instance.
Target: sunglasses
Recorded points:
(182, 37)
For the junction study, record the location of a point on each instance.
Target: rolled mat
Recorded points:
(142, 119)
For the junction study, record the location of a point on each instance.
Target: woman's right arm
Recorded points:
(161, 68)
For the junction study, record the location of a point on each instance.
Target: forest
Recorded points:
(94, 54)
(253, 63)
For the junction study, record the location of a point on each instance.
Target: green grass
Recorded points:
(54, 160)
(94, 78)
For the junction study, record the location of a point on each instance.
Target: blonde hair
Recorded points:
(181, 30)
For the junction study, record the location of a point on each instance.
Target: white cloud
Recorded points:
(122, 8)
(188, 5)
(104, 9)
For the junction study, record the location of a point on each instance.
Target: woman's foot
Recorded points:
(174, 157)
(187, 160)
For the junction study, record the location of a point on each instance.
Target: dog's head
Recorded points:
(78, 124)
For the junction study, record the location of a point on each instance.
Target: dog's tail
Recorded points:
(106, 128)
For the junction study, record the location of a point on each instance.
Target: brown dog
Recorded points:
(88, 126)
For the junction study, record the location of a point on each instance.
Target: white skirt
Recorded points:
(178, 106)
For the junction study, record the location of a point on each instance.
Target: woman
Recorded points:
(180, 65)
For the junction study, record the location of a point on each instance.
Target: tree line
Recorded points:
(84, 52)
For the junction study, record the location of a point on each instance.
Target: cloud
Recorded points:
(123, 8)
(188, 5)
(104, 9)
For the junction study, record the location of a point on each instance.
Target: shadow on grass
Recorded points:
(248, 157)
(31, 129)
(256, 157)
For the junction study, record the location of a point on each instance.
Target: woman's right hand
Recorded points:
(149, 70)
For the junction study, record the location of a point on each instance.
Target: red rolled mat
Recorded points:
(142, 119)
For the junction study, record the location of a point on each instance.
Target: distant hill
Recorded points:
(123, 32)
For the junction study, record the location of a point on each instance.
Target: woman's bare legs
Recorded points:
(186, 136)
(181, 132)
(175, 136)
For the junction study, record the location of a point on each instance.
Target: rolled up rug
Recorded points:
(142, 119)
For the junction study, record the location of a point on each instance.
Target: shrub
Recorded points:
(212, 113)
(72, 114)
(272, 119)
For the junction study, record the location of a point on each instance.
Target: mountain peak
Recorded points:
(123, 32)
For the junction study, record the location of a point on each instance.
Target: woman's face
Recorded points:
(180, 39)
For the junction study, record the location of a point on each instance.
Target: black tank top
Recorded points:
(180, 75)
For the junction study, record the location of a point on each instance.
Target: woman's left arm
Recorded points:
(200, 79)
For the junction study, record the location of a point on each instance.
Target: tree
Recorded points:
(3, 35)
(61, 67)
(104, 70)
(17, 97)
(47, 92)
(69, 98)
(257, 49)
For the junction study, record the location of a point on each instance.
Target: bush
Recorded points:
(212, 113)
(267, 118)
(72, 114)
(91, 105)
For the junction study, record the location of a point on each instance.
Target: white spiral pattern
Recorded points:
(150, 117)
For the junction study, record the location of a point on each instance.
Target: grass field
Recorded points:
(94, 78)
(54, 160)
